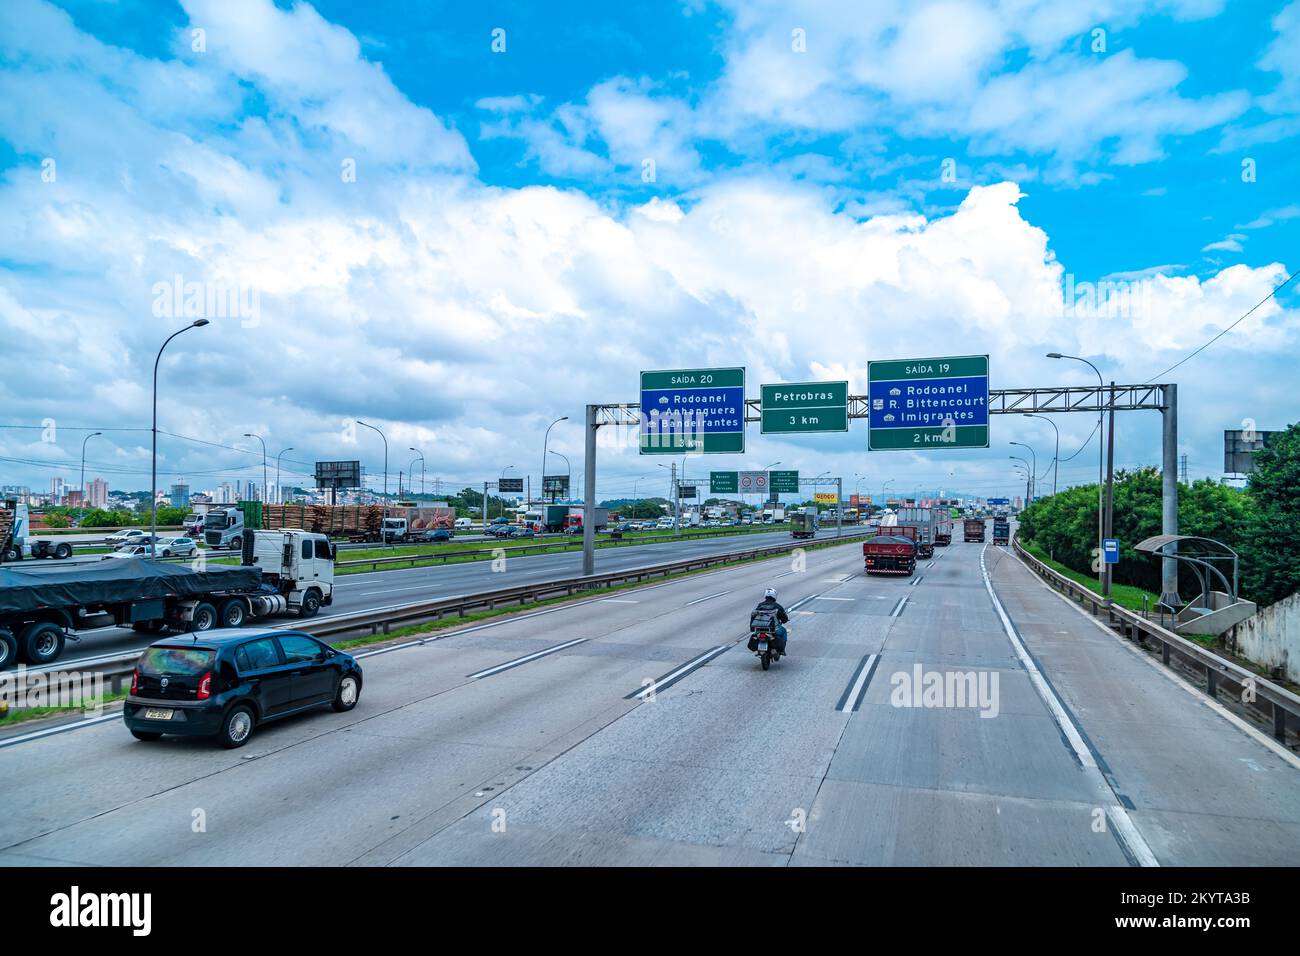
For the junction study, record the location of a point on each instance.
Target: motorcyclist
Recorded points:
(768, 607)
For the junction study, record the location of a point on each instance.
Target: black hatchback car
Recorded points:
(224, 683)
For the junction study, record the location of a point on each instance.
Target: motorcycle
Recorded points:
(765, 646)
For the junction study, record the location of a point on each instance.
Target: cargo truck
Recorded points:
(942, 526)
(16, 542)
(923, 520)
(973, 529)
(803, 524)
(893, 553)
(1001, 532)
(281, 571)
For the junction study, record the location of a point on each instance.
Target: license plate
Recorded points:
(158, 713)
(762, 645)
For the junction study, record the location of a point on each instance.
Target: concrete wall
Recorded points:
(1272, 637)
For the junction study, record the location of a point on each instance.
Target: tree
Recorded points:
(1270, 536)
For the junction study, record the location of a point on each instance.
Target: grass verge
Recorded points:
(10, 717)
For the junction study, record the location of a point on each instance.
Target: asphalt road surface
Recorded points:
(635, 729)
(366, 591)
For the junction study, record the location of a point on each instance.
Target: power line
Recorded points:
(1224, 332)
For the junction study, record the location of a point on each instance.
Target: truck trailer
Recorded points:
(893, 553)
(281, 571)
(1001, 531)
(973, 530)
(16, 542)
(925, 523)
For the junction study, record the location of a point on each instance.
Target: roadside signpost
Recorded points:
(805, 407)
(753, 482)
(701, 411)
(928, 403)
(1110, 550)
(724, 482)
(784, 482)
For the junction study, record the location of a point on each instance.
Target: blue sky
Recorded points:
(832, 183)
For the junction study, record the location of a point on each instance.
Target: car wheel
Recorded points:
(42, 642)
(145, 735)
(348, 694)
(204, 617)
(237, 727)
(63, 551)
(166, 553)
(8, 648)
(12, 554)
(236, 543)
(310, 603)
(233, 613)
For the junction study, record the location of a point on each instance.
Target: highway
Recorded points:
(635, 729)
(369, 590)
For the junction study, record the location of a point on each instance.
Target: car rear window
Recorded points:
(190, 661)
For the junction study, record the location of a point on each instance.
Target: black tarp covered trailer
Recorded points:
(115, 582)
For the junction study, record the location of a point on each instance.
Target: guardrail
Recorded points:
(554, 547)
(1270, 701)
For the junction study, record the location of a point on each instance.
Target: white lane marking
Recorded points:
(858, 684)
(1177, 681)
(803, 601)
(618, 601)
(837, 599)
(690, 665)
(1126, 829)
(898, 608)
(62, 728)
(707, 597)
(524, 660)
(414, 587)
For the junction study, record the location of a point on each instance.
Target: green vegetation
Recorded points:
(1261, 523)
(11, 716)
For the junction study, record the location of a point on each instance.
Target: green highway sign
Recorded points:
(784, 482)
(805, 407)
(928, 403)
(693, 410)
(724, 482)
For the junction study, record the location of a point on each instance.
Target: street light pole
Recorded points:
(1028, 470)
(279, 497)
(1033, 484)
(83, 467)
(421, 454)
(382, 529)
(1056, 458)
(545, 441)
(153, 468)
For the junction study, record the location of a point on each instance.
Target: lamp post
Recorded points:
(83, 467)
(382, 528)
(1102, 576)
(421, 454)
(153, 468)
(1027, 469)
(1033, 484)
(1056, 458)
(278, 494)
(545, 440)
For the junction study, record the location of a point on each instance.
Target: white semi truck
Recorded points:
(281, 572)
(16, 542)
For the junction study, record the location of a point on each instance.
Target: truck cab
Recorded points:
(296, 563)
(224, 528)
(395, 529)
(15, 540)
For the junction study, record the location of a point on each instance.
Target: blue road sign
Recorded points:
(1110, 550)
(999, 501)
(693, 410)
(928, 403)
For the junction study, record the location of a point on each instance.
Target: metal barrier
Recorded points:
(1272, 702)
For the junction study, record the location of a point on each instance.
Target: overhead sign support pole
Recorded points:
(589, 494)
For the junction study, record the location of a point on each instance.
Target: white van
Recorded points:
(463, 523)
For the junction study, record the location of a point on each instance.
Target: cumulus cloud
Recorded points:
(463, 316)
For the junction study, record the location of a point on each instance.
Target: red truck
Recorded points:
(973, 529)
(893, 553)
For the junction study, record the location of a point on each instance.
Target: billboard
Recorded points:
(338, 474)
(825, 497)
(555, 485)
(510, 486)
(1239, 448)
